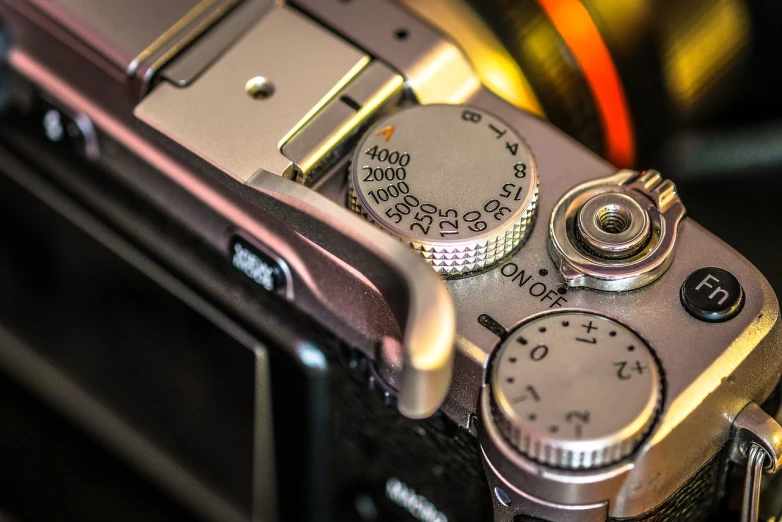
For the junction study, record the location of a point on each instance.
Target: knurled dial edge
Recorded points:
(494, 185)
(575, 390)
(459, 260)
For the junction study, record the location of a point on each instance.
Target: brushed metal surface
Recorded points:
(204, 51)
(435, 69)
(217, 121)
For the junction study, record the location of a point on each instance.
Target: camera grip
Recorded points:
(418, 298)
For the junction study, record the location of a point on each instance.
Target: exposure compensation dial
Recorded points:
(575, 390)
(455, 182)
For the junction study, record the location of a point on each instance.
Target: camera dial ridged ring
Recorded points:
(575, 390)
(454, 182)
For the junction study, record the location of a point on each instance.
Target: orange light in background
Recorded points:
(577, 29)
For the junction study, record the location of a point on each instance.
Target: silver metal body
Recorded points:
(226, 149)
(574, 390)
(636, 241)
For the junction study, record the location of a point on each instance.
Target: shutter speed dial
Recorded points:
(575, 390)
(456, 183)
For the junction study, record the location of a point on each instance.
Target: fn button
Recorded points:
(712, 294)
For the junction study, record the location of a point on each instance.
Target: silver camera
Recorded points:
(603, 354)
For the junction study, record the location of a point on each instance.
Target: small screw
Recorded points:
(259, 88)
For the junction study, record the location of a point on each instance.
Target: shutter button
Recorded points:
(712, 294)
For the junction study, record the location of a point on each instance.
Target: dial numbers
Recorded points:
(455, 182)
(574, 389)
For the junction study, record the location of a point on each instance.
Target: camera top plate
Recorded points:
(710, 371)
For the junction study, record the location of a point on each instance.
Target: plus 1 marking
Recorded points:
(589, 327)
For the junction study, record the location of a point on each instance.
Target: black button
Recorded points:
(712, 294)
